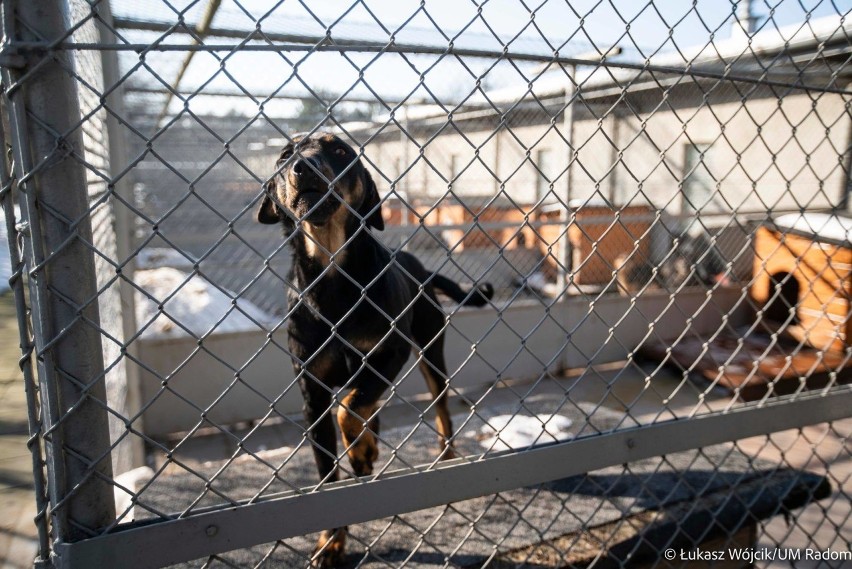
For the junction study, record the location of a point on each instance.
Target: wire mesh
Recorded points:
(656, 195)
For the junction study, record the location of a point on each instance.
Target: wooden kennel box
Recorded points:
(601, 234)
(803, 269)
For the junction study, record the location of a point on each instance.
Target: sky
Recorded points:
(641, 28)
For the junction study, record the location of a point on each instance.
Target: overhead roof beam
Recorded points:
(202, 29)
(274, 95)
(151, 26)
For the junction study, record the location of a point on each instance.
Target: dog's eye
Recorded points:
(340, 151)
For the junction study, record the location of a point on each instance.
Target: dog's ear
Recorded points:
(371, 203)
(267, 211)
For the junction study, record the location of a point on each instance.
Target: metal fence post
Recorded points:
(16, 283)
(47, 143)
(564, 249)
(123, 222)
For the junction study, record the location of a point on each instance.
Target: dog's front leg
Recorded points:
(357, 414)
(331, 545)
(359, 427)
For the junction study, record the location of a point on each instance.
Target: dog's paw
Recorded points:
(330, 550)
(446, 452)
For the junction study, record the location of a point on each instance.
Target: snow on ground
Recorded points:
(505, 432)
(155, 257)
(197, 305)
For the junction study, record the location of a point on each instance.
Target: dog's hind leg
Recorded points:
(330, 549)
(434, 369)
(320, 427)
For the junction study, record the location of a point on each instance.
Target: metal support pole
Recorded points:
(843, 203)
(123, 222)
(498, 148)
(615, 133)
(404, 162)
(45, 137)
(563, 271)
(16, 283)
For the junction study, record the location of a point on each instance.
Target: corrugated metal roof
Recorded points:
(723, 52)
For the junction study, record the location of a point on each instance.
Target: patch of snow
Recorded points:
(132, 480)
(514, 432)
(825, 225)
(263, 453)
(197, 305)
(155, 257)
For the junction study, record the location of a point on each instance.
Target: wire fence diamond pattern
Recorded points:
(647, 353)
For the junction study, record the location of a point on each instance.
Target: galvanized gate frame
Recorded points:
(406, 491)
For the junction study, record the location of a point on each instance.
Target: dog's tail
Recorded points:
(465, 296)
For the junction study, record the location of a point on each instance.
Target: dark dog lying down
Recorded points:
(345, 278)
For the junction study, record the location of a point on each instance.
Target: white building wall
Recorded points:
(766, 153)
(769, 152)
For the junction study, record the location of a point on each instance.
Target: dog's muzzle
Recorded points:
(312, 199)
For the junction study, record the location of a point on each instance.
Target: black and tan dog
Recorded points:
(357, 310)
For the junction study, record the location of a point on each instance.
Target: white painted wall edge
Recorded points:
(522, 341)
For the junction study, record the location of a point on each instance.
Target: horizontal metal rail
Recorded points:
(144, 89)
(166, 27)
(688, 70)
(294, 514)
(586, 219)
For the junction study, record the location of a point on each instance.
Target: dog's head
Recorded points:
(314, 176)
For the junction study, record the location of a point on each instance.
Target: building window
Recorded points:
(545, 173)
(698, 183)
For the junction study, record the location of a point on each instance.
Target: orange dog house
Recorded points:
(803, 278)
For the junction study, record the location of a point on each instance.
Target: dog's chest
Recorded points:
(362, 321)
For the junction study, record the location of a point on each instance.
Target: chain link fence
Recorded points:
(657, 196)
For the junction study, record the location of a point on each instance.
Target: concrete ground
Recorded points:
(817, 449)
